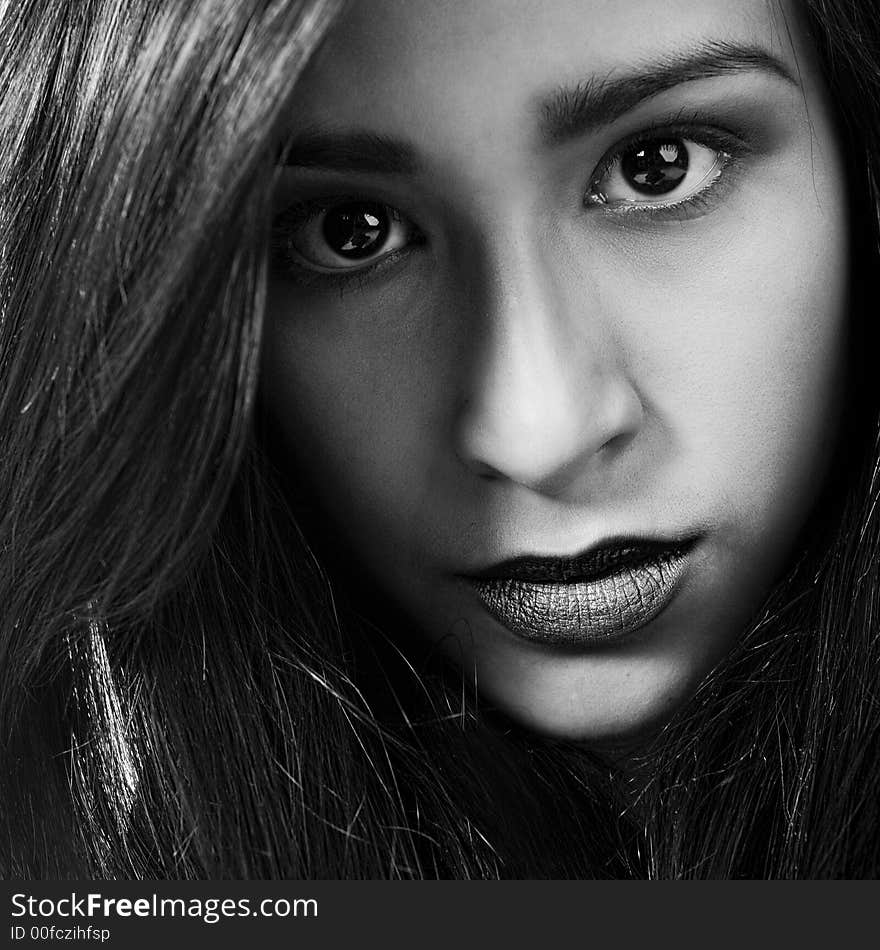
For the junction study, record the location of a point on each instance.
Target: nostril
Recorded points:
(486, 471)
(545, 445)
(617, 443)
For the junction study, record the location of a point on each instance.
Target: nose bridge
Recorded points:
(545, 393)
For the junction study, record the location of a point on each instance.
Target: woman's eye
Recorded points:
(657, 172)
(346, 235)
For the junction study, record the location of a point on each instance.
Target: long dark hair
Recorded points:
(184, 690)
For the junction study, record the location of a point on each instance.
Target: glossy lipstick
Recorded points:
(602, 594)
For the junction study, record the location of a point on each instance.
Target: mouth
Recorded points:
(600, 595)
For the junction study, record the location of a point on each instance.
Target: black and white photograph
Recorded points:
(439, 442)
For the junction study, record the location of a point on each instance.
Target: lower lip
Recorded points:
(590, 611)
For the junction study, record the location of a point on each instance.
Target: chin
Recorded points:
(617, 696)
(595, 725)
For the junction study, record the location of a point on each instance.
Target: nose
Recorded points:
(546, 398)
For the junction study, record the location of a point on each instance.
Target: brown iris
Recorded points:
(357, 229)
(655, 168)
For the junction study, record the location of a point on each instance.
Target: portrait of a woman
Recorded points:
(440, 439)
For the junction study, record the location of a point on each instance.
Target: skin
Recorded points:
(536, 373)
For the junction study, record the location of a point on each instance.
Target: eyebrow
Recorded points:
(366, 152)
(571, 111)
(568, 113)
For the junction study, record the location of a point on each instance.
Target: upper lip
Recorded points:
(597, 561)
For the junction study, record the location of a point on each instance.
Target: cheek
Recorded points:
(349, 390)
(739, 353)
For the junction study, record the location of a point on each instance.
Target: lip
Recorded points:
(600, 595)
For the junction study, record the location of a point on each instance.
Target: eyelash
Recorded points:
(299, 214)
(731, 146)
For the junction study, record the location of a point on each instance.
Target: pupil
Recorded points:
(356, 230)
(656, 168)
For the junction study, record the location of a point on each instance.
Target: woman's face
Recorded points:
(556, 328)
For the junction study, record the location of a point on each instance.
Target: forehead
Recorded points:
(408, 66)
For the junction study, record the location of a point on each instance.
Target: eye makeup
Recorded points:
(723, 152)
(730, 150)
(299, 230)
